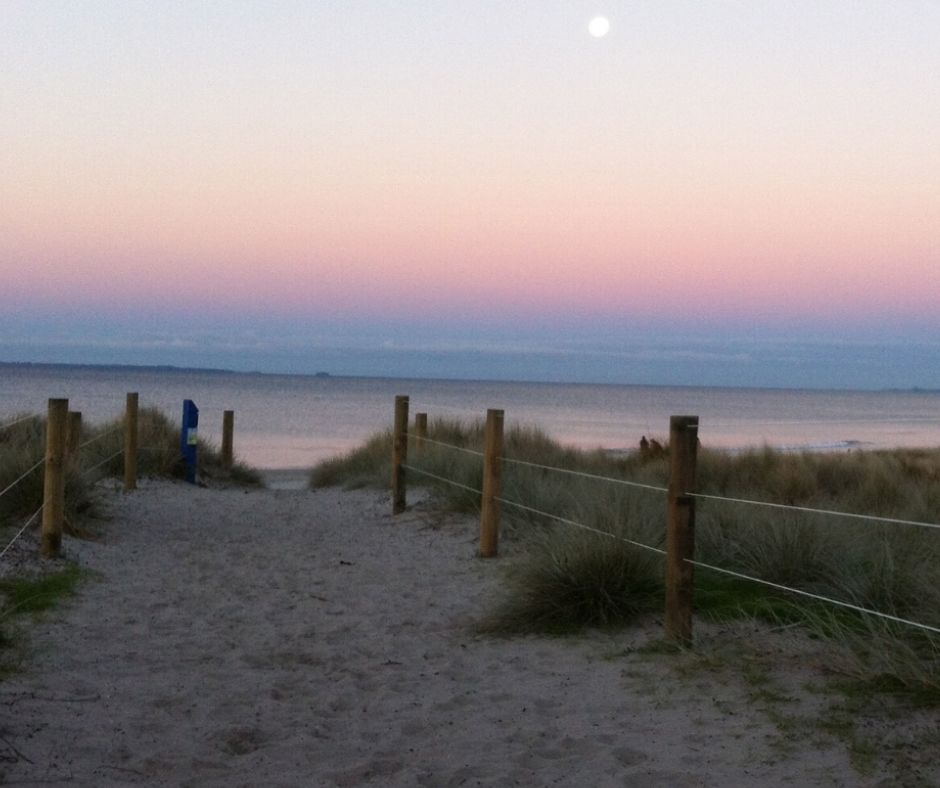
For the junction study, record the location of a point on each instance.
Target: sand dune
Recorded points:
(283, 637)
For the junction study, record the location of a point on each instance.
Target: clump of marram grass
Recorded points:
(568, 578)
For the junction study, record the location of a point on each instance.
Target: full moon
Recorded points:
(599, 26)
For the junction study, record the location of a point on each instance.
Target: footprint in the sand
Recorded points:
(627, 756)
(241, 741)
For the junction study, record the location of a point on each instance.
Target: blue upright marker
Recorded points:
(188, 438)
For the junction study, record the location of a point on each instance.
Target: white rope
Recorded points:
(99, 437)
(450, 446)
(611, 479)
(429, 407)
(27, 473)
(106, 460)
(20, 532)
(442, 479)
(581, 526)
(809, 510)
(817, 597)
(18, 421)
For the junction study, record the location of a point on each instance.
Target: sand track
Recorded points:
(290, 638)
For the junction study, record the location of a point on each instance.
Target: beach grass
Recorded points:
(25, 595)
(567, 577)
(29, 596)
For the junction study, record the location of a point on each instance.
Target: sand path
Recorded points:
(284, 637)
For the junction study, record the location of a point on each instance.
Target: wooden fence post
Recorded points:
(130, 442)
(228, 430)
(680, 527)
(53, 491)
(399, 454)
(421, 431)
(73, 437)
(492, 484)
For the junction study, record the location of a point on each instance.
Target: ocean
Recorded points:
(293, 421)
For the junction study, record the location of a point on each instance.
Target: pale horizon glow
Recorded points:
(709, 171)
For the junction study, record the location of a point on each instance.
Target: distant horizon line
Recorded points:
(326, 375)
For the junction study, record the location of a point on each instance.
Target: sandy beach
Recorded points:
(289, 638)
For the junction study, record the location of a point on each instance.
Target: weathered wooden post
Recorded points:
(130, 442)
(399, 454)
(53, 491)
(73, 438)
(421, 431)
(228, 431)
(680, 527)
(492, 483)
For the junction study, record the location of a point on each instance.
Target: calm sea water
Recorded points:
(294, 421)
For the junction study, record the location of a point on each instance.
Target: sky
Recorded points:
(713, 193)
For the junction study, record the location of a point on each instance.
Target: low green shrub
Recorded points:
(23, 596)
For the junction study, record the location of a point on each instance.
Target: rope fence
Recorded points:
(62, 450)
(22, 530)
(817, 597)
(680, 511)
(810, 510)
(101, 435)
(451, 482)
(105, 461)
(582, 526)
(526, 463)
(425, 439)
(63, 454)
(22, 477)
(17, 421)
(584, 475)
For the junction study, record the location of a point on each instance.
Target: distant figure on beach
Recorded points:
(651, 449)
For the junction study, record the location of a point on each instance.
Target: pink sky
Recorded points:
(758, 163)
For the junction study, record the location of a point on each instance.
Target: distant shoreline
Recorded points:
(122, 367)
(322, 375)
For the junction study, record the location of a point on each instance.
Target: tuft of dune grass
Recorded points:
(568, 579)
(369, 465)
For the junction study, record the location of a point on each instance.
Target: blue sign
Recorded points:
(188, 438)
